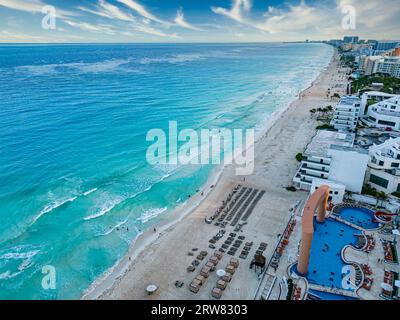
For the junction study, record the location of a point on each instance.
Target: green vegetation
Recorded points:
(290, 289)
(370, 102)
(349, 61)
(367, 190)
(322, 112)
(299, 157)
(390, 84)
(379, 195)
(291, 189)
(336, 95)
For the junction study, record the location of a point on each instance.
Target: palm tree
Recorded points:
(348, 194)
(382, 197)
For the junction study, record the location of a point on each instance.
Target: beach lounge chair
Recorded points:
(194, 286)
(201, 278)
(214, 260)
(200, 257)
(230, 269)
(216, 293)
(190, 269)
(218, 254)
(210, 265)
(221, 284)
(227, 278)
(205, 272)
(234, 262)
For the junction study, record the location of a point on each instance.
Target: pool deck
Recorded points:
(374, 259)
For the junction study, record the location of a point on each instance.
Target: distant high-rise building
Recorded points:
(389, 65)
(386, 45)
(351, 39)
(370, 64)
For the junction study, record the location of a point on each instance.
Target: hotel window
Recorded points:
(395, 165)
(398, 188)
(378, 181)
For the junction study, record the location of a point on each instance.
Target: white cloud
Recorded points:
(33, 6)
(141, 10)
(235, 13)
(107, 10)
(101, 28)
(155, 32)
(180, 21)
(319, 20)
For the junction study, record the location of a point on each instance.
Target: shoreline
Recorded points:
(110, 279)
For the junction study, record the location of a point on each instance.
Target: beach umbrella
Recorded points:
(151, 288)
(387, 287)
(397, 283)
(221, 273)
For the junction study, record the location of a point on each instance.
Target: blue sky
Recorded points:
(196, 20)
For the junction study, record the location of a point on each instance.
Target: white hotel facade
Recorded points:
(347, 113)
(383, 172)
(331, 159)
(384, 114)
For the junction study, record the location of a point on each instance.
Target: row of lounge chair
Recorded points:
(366, 269)
(222, 283)
(370, 244)
(367, 284)
(296, 293)
(205, 272)
(226, 205)
(195, 263)
(388, 251)
(388, 278)
(285, 238)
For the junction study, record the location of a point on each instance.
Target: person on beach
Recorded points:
(155, 230)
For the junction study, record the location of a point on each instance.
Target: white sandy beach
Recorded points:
(161, 257)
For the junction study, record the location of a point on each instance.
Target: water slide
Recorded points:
(384, 217)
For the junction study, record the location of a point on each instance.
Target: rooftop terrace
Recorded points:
(324, 139)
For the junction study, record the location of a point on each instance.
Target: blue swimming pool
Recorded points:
(361, 217)
(326, 264)
(329, 296)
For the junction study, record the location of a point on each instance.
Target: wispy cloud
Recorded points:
(236, 11)
(155, 32)
(180, 21)
(33, 6)
(107, 10)
(319, 19)
(141, 10)
(101, 28)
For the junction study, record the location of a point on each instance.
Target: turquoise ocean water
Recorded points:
(75, 185)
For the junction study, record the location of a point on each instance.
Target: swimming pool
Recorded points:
(326, 264)
(329, 296)
(361, 217)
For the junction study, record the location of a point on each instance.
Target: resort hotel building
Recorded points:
(372, 96)
(384, 114)
(347, 112)
(331, 159)
(383, 173)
